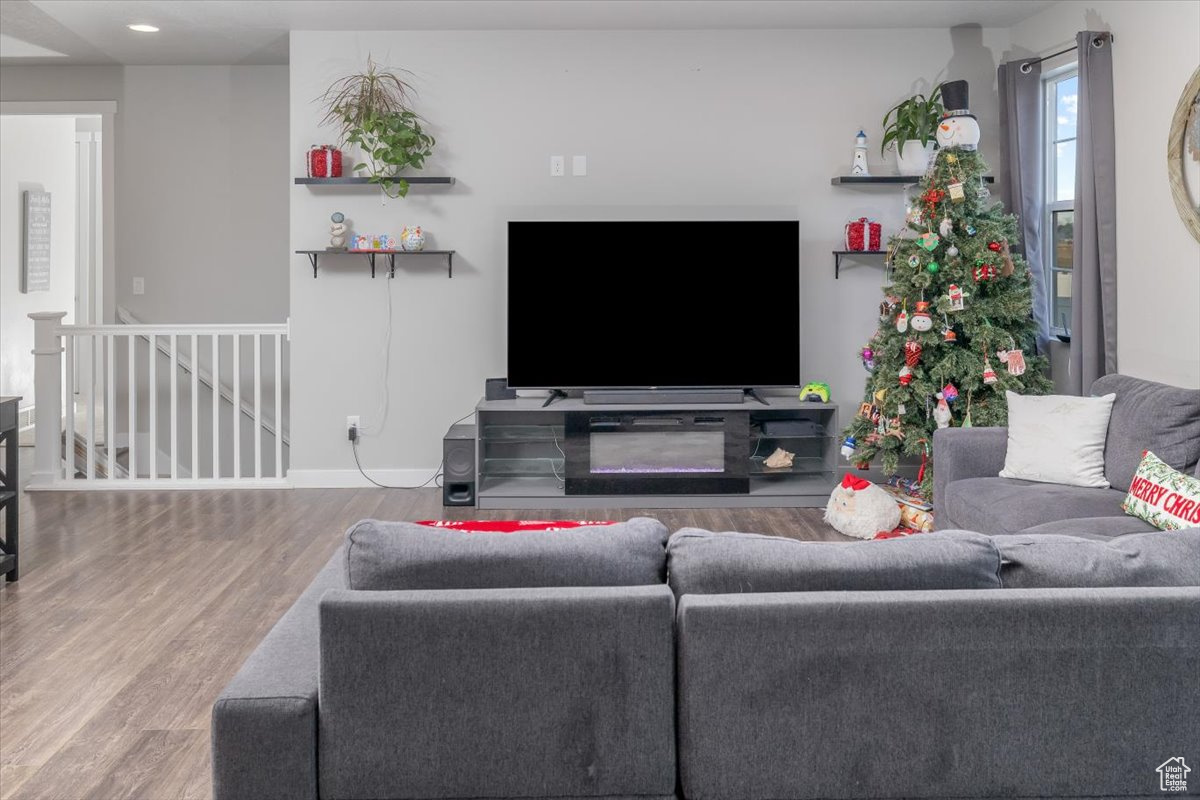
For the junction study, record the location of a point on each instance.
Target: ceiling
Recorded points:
(240, 32)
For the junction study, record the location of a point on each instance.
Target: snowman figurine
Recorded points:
(337, 231)
(958, 127)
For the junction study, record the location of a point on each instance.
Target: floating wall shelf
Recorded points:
(314, 255)
(884, 180)
(413, 180)
(837, 258)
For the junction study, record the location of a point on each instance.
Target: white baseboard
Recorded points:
(353, 479)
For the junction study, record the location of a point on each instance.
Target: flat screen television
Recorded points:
(693, 304)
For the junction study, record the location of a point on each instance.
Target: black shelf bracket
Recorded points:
(837, 258)
(314, 258)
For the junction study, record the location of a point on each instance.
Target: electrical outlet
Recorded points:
(579, 165)
(139, 285)
(558, 166)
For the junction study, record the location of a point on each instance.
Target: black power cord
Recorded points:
(354, 436)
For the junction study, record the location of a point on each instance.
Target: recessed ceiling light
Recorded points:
(140, 28)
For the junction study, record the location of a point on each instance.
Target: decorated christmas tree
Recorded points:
(956, 329)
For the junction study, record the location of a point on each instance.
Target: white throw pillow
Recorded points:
(1057, 439)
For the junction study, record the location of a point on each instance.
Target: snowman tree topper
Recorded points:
(958, 127)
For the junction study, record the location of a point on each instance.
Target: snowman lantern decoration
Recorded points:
(921, 320)
(958, 127)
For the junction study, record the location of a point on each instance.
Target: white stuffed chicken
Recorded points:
(861, 509)
(958, 127)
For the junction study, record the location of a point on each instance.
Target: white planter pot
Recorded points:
(912, 157)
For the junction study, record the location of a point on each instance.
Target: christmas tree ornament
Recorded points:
(848, 447)
(895, 430)
(946, 226)
(957, 195)
(950, 391)
(887, 307)
(859, 165)
(995, 247)
(868, 358)
(900, 409)
(941, 413)
(985, 272)
(931, 198)
(932, 267)
(971, 230)
(989, 374)
(959, 127)
(902, 321)
(864, 410)
(879, 395)
(912, 352)
(928, 240)
(951, 251)
(1009, 267)
(955, 293)
(864, 465)
(951, 158)
(949, 335)
(966, 423)
(906, 375)
(914, 261)
(1013, 359)
(921, 320)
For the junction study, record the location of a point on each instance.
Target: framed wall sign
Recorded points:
(35, 251)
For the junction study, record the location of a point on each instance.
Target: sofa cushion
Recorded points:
(1158, 558)
(1102, 528)
(703, 562)
(402, 555)
(1149, 416)
(1057, 439)
(1007, 505)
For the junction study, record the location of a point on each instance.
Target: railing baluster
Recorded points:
(90, 467)
(237, 405)
(278, 405)
(132, 468)
(152, 398)
(195, 408)
(216, 405)
(257, 406)
(110, 405)
(174, 407)
(69, 442)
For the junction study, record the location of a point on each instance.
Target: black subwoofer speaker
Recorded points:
(458, 466)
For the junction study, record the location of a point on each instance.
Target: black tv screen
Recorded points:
(653, 304)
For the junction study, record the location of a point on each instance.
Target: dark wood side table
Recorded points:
(10, 495)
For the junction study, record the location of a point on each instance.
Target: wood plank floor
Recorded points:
(134, 609)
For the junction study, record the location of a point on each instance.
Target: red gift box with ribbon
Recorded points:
(324, 161)
(862, 234)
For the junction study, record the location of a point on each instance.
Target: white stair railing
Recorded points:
(132, 422)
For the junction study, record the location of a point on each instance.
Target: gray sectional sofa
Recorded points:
(611, 662)
(1145, 416)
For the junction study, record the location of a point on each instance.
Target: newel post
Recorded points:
(47, 397)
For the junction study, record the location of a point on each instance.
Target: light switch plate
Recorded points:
(579, 165)
(139, 285)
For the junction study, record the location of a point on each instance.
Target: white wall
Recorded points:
(1155, 51)
(36, 153)
(202, 170)
(719, 121)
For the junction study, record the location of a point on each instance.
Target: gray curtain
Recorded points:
(1094, 283)
(1021, 157)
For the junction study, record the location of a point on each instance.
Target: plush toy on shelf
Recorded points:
(861, 509)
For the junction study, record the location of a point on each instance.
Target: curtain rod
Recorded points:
(1097, 41)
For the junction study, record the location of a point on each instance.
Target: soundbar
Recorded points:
(663, 396)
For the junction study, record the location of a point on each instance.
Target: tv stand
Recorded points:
(580, 455)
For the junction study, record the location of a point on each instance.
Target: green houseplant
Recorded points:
(373, 110)
(911, 128)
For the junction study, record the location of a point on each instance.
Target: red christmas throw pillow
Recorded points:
(1162, 496)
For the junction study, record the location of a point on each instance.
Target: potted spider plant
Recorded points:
(373, 110)
(910, 127)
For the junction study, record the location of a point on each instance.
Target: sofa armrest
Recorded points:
(264, 723)
(964, 453)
